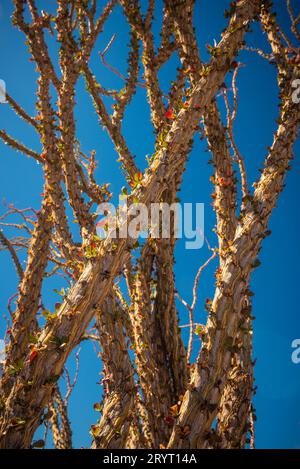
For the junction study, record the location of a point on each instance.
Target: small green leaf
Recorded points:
(60, 292)
(98, 407)
(15, 368)
(199, 329)
(17, 421)
(48, 315)
(95, 431)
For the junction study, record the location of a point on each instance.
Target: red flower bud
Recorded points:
(170, 114)
(32, 355)
(169, 420)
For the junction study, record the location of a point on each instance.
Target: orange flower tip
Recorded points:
(97, 406)
(32, 355)
(170, 114)
(189, 70)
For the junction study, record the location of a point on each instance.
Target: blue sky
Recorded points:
(275, 283)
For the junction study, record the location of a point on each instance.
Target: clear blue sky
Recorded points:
(275, 283)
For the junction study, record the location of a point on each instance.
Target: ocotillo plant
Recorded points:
(157, 393)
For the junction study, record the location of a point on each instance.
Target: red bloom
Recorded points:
(169, 420)
(170, 114)
(32, 355)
